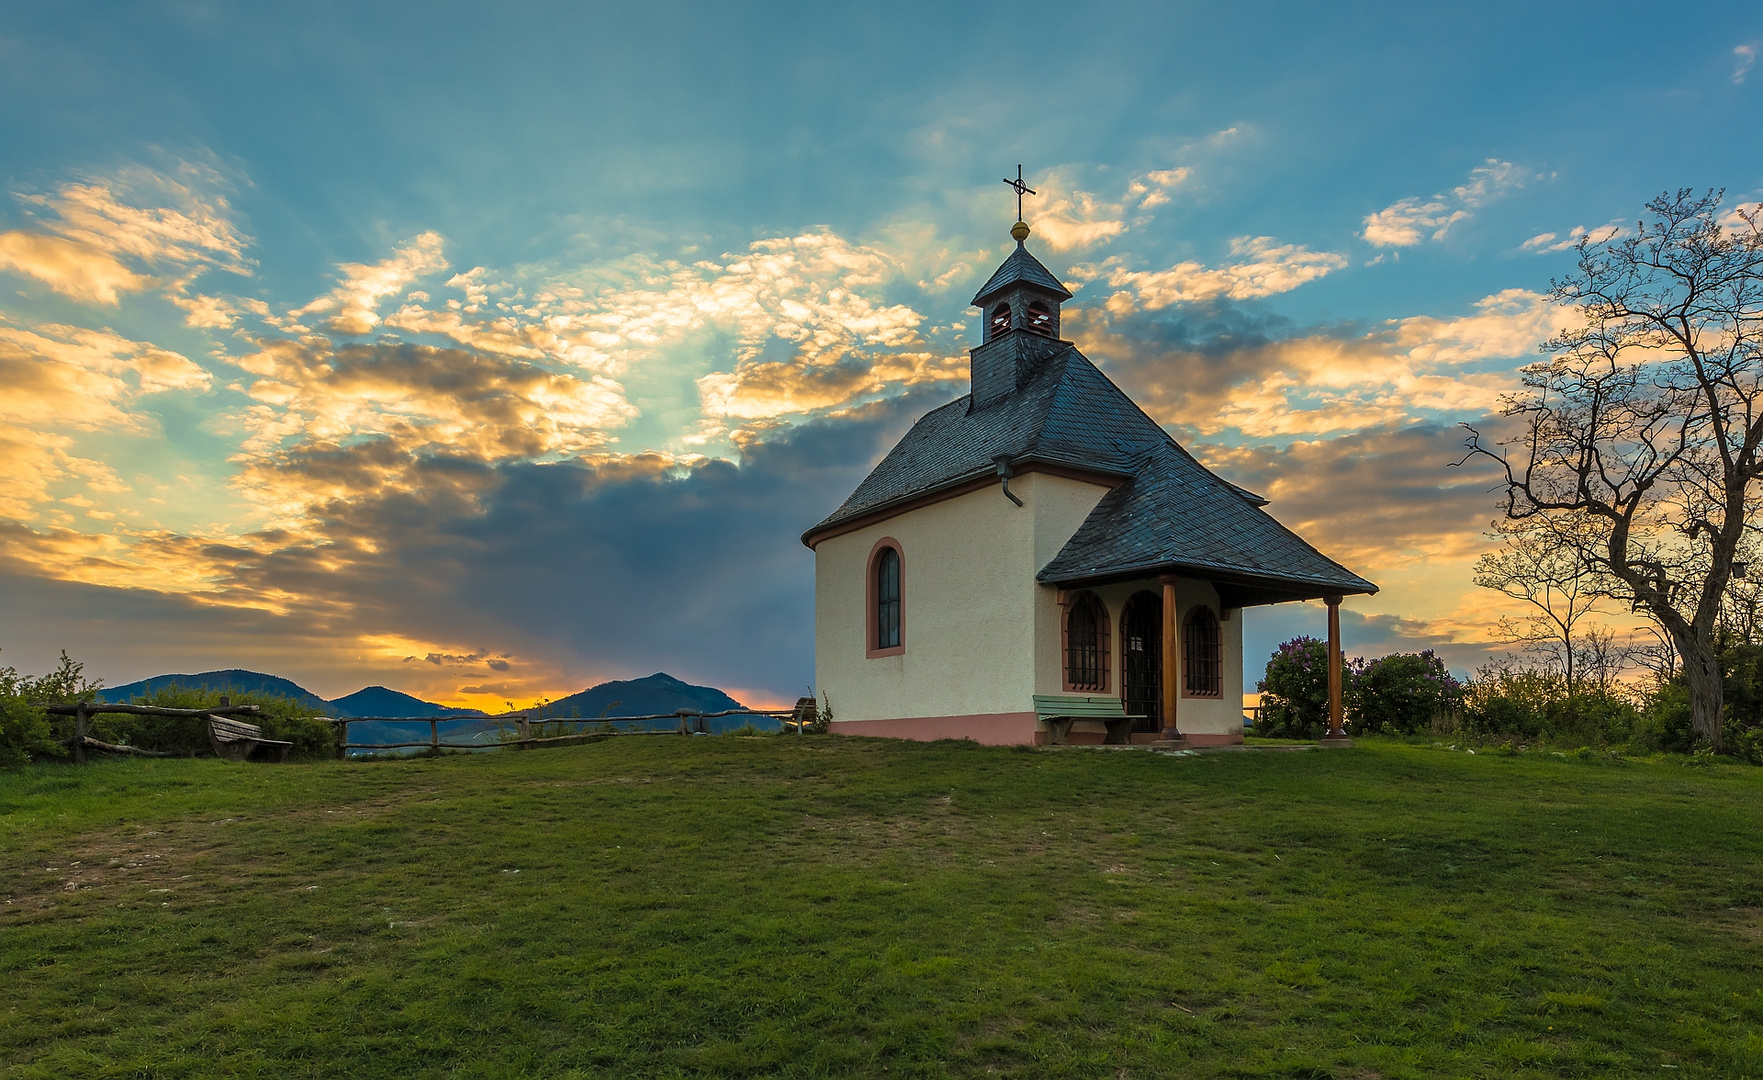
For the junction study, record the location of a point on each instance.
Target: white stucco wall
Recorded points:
(975, 621)
(981, 636)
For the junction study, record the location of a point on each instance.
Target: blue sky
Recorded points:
(487, 353)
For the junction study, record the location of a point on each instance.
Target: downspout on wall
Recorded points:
(1002, 461)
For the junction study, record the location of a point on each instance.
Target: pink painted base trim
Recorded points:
(991, 729)
(1234, 738)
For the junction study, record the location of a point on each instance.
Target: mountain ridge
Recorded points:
(651, 695)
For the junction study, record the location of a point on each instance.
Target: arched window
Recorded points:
(1040, 319)
(1000, 321)
(887, 607)
(1203, 651)
(1086, 644)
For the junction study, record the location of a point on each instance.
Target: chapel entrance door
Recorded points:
(1141, 632)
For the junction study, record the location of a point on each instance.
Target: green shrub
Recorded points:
(1504, 701)
(1400, 694)
(1507, 703)
(1743, 728)
(26, 732)
(1294, 692)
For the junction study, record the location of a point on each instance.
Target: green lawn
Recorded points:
(822, 906)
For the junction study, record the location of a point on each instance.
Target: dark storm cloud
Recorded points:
(619, 567)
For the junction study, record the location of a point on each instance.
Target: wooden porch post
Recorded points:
(1337, 735)
(1171, 661)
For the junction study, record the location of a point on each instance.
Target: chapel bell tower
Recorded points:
(1019, 308)
(1022, 295)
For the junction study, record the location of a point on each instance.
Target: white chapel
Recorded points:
(1038, 561)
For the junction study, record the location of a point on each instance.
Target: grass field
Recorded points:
(825, 906)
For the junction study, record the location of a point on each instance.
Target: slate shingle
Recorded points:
(1170, 515)
(1021, 266)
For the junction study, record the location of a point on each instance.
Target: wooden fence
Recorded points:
(687, 722)
(83, 712)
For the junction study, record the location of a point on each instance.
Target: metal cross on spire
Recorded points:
(1021, 189)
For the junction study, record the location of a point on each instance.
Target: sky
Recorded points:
(490, 352)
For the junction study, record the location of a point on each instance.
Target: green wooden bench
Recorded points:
(1060, 711)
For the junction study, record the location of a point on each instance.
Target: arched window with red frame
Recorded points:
(887, 599)
(1086, 644)
(1000, 320)
(1203, 653)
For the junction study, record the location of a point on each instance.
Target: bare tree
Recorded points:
(1657, 655)
(1646, 423)
(1600, 656)
(1561, 587)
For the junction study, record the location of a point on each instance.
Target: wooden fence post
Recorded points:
(342, 740)
(526, 731)
(434, 736)
(79, 734)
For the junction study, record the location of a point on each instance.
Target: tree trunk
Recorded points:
(1701, 668)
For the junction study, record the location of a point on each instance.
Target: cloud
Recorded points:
(577, 570)
(173, 223)
(1217, 371)
(65, 376)
(1382, 497)
(1409, 221)
(357, 296)
(332, 422)
(801, 317)
(1067, 218)
(1747, 55)
(1507, 325)
(1543, 243)
(458, 660)
(72, 269)
(207, 312)
(34, 465)
(1263, 267)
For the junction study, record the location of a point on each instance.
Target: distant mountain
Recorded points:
(234, 680)
(372, 701)
(381, 701)
(657, 694)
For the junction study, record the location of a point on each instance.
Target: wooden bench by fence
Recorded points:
(85, 710)
(236, 740)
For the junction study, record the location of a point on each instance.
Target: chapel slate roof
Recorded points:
(1170, 514)
(1021, 266)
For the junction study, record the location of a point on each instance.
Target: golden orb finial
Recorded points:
(1019, 231)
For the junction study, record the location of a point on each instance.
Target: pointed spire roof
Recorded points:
(1021, 267)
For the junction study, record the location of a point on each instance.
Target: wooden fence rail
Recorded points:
(688, 721)
(83, 711)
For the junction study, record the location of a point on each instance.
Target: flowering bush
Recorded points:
(1294, 692)
(1400, 694)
